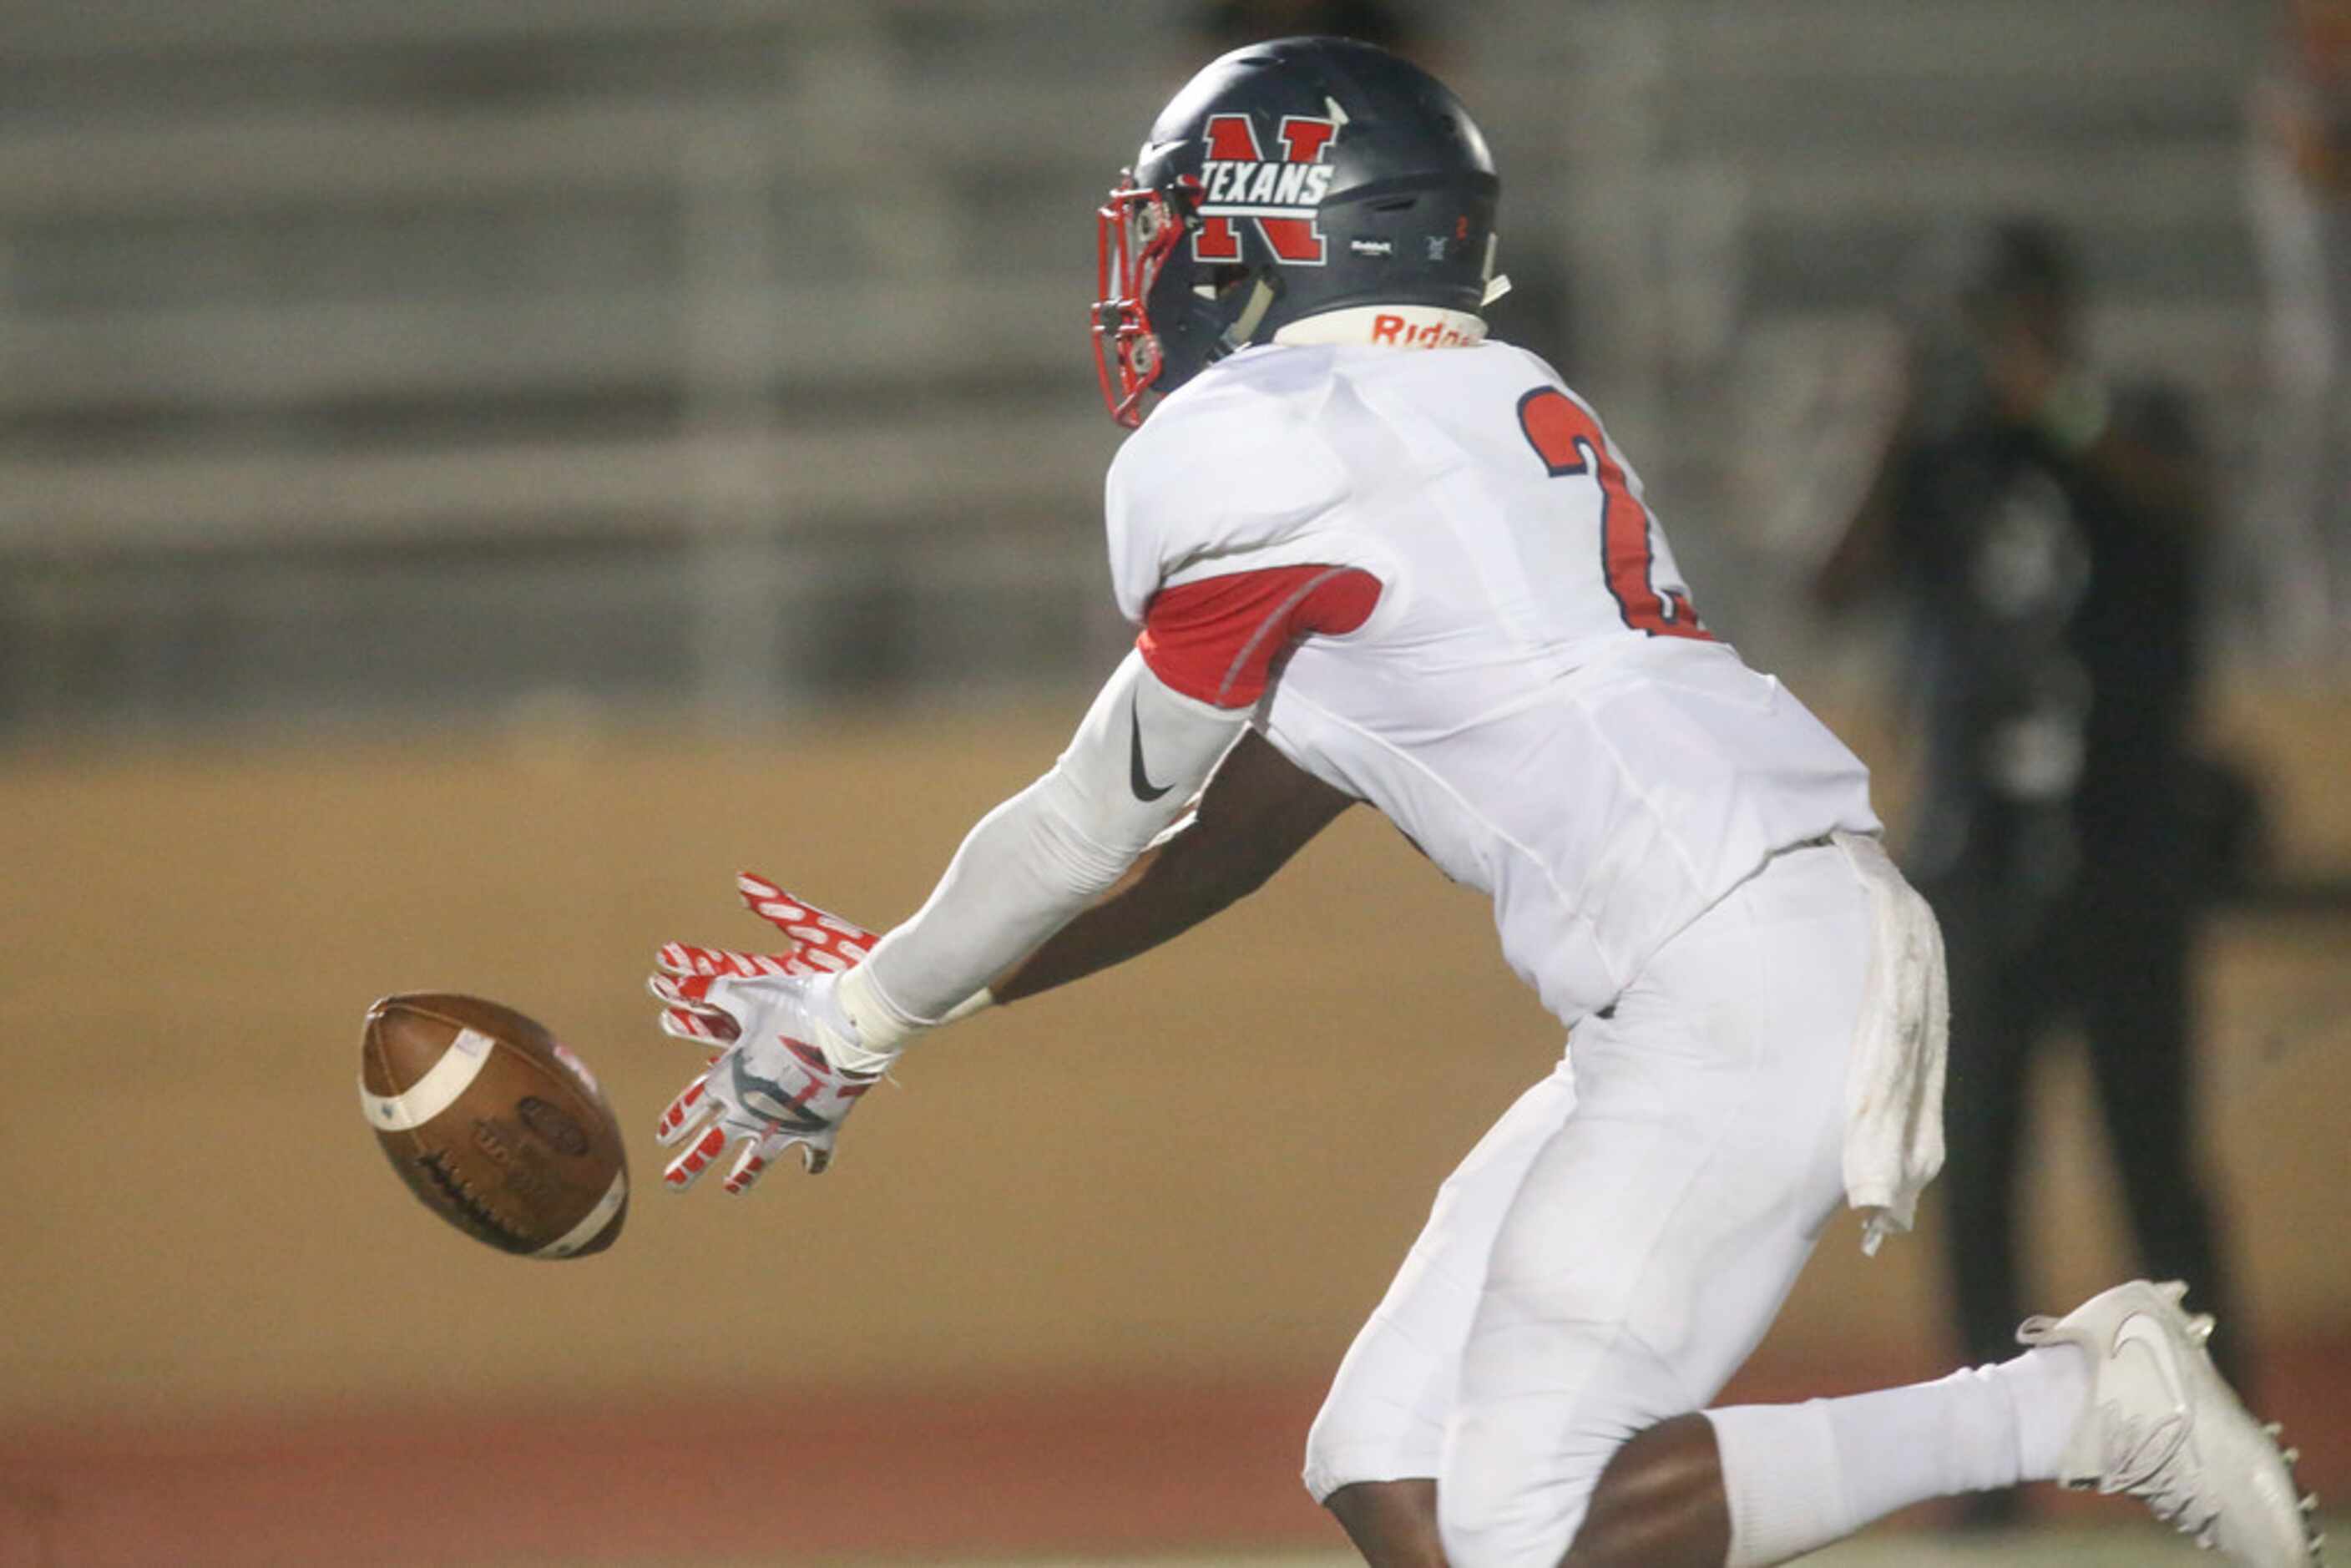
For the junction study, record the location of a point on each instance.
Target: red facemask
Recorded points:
(1135, 230)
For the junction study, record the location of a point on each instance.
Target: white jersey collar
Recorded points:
(1394, 326)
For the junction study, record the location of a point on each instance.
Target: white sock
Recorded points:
(1781, 1474)
(1799, 1477)
(2051, 1385)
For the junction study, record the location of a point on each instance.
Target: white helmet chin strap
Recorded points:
(1260, 300)
(1391, 326)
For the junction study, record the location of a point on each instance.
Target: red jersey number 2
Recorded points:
(1568, 440)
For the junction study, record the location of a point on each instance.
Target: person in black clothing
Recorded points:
(2045, 530)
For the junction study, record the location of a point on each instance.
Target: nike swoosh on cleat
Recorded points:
(1137, 778)
(2140, 1330)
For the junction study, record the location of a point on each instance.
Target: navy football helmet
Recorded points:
(1287, 179)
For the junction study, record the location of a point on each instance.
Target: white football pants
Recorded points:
(1617, 1244)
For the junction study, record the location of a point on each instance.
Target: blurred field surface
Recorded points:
(2069, 1547)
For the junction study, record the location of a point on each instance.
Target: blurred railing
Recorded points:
(355, 357)
(772, 352)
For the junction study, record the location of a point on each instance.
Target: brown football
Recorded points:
(498, 1128)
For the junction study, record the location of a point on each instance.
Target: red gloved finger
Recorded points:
(691, 992)
(826, 941)
(756, 1152)
(683, 959)
(682, 1109)
(672, 992)
(683, 1171)
(696, 1029)
(688, 1013)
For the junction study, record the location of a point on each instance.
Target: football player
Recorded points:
(1376, 557)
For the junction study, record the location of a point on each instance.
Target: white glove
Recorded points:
(783, 1076)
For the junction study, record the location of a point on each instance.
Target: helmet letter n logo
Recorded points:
(1280, 195)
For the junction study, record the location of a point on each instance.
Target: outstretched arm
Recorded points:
(1258, 811)
(805, 1034)
(1150, 745)
(1143, 751)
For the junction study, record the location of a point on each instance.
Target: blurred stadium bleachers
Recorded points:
(442, 356)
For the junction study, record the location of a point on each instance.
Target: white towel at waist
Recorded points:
(1894, 1084)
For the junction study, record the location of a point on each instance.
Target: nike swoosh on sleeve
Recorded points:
(1137, 780)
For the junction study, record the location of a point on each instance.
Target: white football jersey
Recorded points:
(1526, 690)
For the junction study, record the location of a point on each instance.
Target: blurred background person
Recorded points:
(2300, 196)
(2045, 529)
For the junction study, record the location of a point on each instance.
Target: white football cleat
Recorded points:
(2163, 1428)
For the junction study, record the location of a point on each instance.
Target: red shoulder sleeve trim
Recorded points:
(1218, 640)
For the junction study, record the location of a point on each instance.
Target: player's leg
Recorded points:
(1392, 1524)
(1658, 1230)
(1651, 1244)
(1799, 1477)
(1660, 1500)
(1752, 1485)
(2119, 1395)
(1371, 1455)
(1749, 1486)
